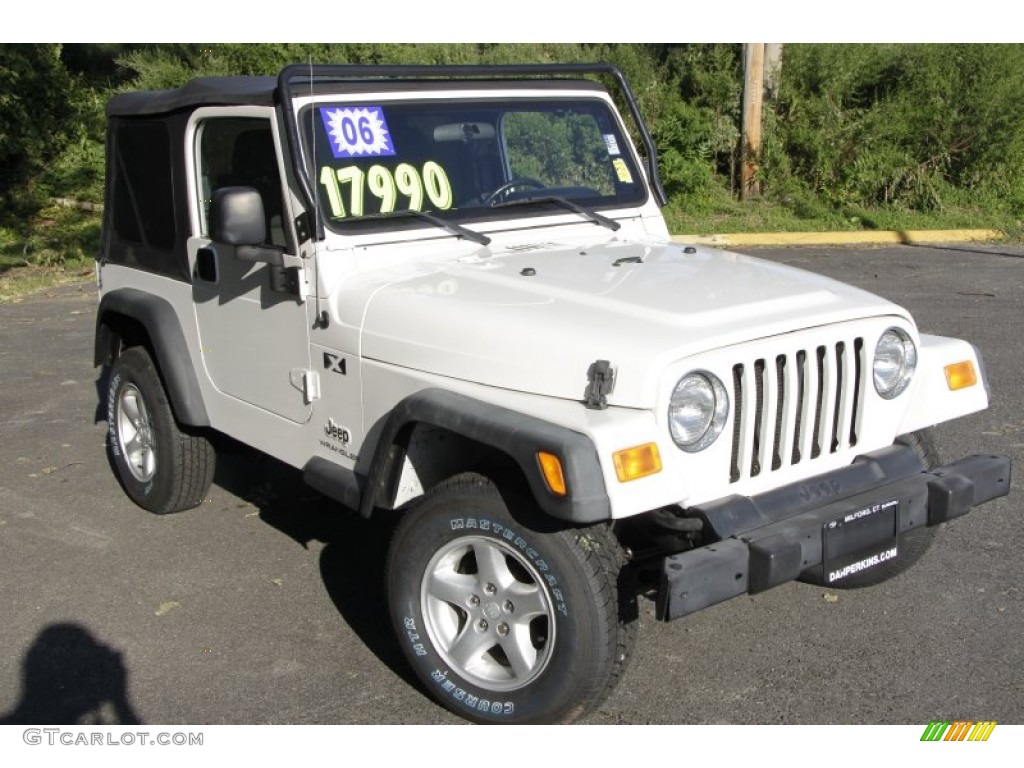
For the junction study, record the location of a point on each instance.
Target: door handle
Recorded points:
(206, 265)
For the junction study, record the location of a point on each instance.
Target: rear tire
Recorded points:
(161, 465)
(504, 621)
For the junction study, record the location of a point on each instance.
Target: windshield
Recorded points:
(465, 160)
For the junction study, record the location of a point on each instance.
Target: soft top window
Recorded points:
(462, 160)
(143, 195)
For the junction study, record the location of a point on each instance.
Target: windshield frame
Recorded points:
(468, 97)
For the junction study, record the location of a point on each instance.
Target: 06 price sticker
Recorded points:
(357, 132)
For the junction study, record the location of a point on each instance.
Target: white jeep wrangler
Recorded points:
(449, 291)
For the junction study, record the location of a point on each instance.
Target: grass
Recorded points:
(720, 214)
(54, 247)
(21, 281)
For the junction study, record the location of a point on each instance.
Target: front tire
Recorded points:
(502, 621)
(162, 466)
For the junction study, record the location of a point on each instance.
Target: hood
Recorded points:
(533, 317)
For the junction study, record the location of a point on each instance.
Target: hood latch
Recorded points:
(601, 378)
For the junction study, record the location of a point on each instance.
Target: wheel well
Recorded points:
(427, 455)
(115, 333)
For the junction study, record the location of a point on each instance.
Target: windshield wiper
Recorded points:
(437, 221)
(586, 213)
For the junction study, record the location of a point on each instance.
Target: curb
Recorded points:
(897, 237)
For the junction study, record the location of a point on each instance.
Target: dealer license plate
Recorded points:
(860, 540)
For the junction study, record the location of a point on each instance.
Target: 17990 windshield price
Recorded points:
(417, 184)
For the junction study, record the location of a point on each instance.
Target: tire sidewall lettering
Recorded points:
(478, 704)
(112, 394)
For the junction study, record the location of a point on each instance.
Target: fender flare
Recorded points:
(515, 434)
(167, 343)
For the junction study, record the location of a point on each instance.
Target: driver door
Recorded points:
(253, 329)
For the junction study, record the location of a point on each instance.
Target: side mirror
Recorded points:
(237, 218)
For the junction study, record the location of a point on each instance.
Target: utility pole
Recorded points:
(772, 69)
(750, 139)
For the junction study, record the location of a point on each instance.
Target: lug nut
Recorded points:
(508, 607)
(482, 625)
(503, 629)
(474, 600)
(490, 589)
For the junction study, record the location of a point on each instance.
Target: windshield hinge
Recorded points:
(601, 378)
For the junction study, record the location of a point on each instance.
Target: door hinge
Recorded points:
(307, 382)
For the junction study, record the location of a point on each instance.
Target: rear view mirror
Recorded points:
(463, 132)
(237, 218)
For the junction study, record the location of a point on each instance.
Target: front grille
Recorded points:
(795, 407)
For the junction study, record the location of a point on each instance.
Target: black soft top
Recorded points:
(203, 91)
(263, 91)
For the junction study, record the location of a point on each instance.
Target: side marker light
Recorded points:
(551, 467)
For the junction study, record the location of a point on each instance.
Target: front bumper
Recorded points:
(825, 528)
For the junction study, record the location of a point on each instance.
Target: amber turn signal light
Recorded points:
(961, 375)
(639, 461)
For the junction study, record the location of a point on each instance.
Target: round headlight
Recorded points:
(697, 411)
(894, 364)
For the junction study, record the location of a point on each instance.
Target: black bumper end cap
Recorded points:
(773, 561)
(702, 577)
(949, 497)
(967, 483)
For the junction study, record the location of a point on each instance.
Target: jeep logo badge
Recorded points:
(335, 431)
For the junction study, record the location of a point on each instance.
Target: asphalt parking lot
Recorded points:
(265, 604)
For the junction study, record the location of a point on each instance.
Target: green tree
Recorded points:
(916, 127)
(35, 116)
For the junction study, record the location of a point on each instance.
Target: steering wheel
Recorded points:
(523, 181)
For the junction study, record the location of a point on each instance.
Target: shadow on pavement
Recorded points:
(353, 559)
(70, 678)
(1009, 251)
